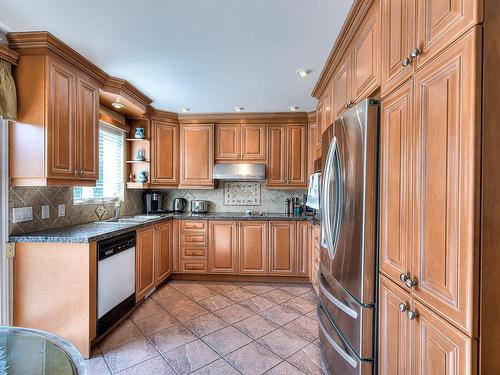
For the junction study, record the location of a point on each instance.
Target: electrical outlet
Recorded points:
(61, 210)
(45, 212)
(21, 214)
(10, 249)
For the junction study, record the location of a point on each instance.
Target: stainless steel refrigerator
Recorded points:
(347, 272)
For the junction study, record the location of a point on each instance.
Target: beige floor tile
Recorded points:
(216, 302)
(188, 311)
(304, 327)
(153, 366)
(171, 338)
(155, 323)
(300, 305)
(97, 366)
(238, 295)
(309, 359)
(234, 313)
(122, 334)
(311, 297)
(253, 359)
(200, 293)
(190, 357)
(259, 288)
(165, 291)
(296, 289)
(284, 368)
(205, 324)
(221, 287)
(258, 304)
(130, 354)
(226, 340)
(283, 342)
(219, 367)
(147, 308)
(277, 296)
(280, 314)
(174, 301)
(256, 326)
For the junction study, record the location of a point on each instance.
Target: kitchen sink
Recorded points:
(130, 219)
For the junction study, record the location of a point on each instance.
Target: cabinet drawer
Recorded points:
(193, 266)
(194, 239)
(193, 252)
(195, 225)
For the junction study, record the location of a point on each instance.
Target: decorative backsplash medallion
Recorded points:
(242, 194)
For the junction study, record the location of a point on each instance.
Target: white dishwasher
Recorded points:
(115, 279)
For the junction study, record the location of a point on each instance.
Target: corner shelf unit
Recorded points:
(134, 144)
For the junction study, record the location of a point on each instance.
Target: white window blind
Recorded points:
(110, 185)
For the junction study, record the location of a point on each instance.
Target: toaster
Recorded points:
(199, 207)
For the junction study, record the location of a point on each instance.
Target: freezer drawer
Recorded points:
(340, 359)
(354, 321)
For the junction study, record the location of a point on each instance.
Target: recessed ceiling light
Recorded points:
(304, 72)
(293, 108)
(118, 105)
(239, 109)
(185, 110)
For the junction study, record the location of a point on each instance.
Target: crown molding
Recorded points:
(159, 115)
(311, 117)
(36, 42)
(8, 55)
(354, 18)
(126, 90)
(246, 118)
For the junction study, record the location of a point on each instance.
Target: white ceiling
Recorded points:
(208, 55)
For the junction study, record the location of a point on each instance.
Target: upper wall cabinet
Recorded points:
(197, 155)
(165, 153)
(234, 142)
(54, 141)
(415, 31)
(342, 91)
(287, 156)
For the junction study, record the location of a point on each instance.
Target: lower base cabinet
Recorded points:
(222, 247)
(252, 247)
(415, 340)
(282, 248)
(153, 257)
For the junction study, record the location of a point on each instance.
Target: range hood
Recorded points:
(239, 172)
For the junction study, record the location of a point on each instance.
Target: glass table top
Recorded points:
(29, 351)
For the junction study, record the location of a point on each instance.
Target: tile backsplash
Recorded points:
(228, 197)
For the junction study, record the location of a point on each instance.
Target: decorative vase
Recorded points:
(139, 133)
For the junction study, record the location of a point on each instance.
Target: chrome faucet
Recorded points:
(118, 206)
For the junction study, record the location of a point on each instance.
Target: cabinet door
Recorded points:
(163, 251)
(297, 155)
(328, 112)
(253, 249)
(222, 248)
(366, 56)
(227, 142)
(282, 249)
(197, 153)
(447, 172)
(303, 249)
(439, 22)
(165, 154)
(88, 130)
(342, 88)
(397, 42)
(394, 330)
(276, 155)
(438, 347)
(144, 262)
(320, 109)
(61, 142)
(253, 142)
(312, 146)
(395, 180)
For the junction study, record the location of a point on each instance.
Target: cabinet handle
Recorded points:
(410, 283)
(348, 105)
(406, 61)
(415, 53)
(75, 172)
(403, 277)
(81, 172)
(411, 314)
(403, 307)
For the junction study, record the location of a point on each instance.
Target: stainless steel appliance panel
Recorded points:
(199, 206)
(349, 200)
(339, 357)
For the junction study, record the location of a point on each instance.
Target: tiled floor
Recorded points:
(216, 328)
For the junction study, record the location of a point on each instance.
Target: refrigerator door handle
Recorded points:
(351, 361)
(353, 314)
(326, 235)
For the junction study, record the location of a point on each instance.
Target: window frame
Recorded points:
(104, 200)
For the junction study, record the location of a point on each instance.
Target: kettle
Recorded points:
(179, 204)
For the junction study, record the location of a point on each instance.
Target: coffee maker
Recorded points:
(153, 201)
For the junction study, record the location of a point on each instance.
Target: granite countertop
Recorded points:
(96, 231)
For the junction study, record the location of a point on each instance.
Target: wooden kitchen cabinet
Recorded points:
(303, 248)
(253, 247)
(312, 147)
(287, 156)
(55, 142)
(282, 248)
(163, 251)
(164, 153)
(447, 156)
(145, 261)
(395, 181)
(366, 56)
(235, 142)
(342, 91)
(223, 247)
(197, 155)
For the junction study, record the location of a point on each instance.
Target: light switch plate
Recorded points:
(21, 214)
(61, 210)
(45, 212)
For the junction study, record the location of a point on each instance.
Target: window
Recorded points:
(110, 186)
